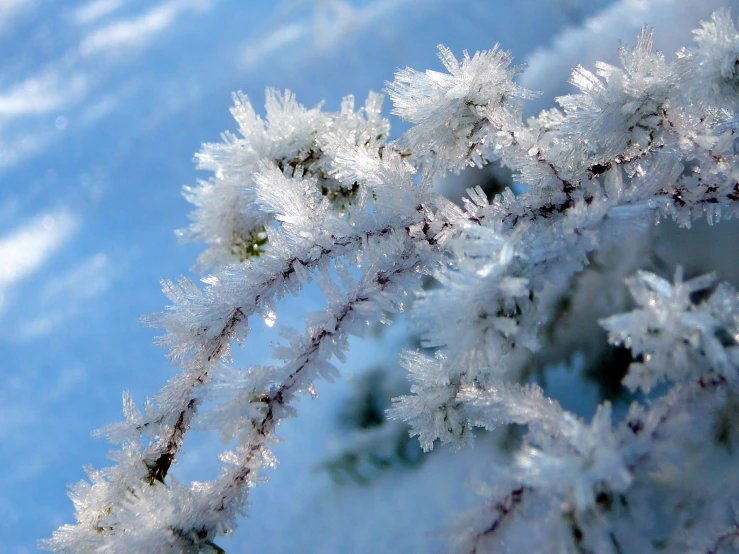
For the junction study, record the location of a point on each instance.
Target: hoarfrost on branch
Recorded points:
(305, 194)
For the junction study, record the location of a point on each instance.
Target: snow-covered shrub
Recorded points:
(311, 195)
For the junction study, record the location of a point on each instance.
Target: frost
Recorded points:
(307, 195)
(674, 338)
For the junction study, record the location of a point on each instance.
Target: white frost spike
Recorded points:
(715, 65)
(478, 312)
(446, 108)
(432, 409)
(619, 112)
(673, 337)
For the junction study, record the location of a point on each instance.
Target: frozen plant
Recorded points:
(310, 195)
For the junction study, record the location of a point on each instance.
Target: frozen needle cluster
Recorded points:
(310, 195)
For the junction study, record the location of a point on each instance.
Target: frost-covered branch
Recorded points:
(306, 194)
(263, 399)
(578, 473)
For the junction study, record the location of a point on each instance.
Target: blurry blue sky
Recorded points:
(102, 105)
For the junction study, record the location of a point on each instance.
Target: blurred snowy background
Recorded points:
(102, 105)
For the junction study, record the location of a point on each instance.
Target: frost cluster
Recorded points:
(308, 195)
